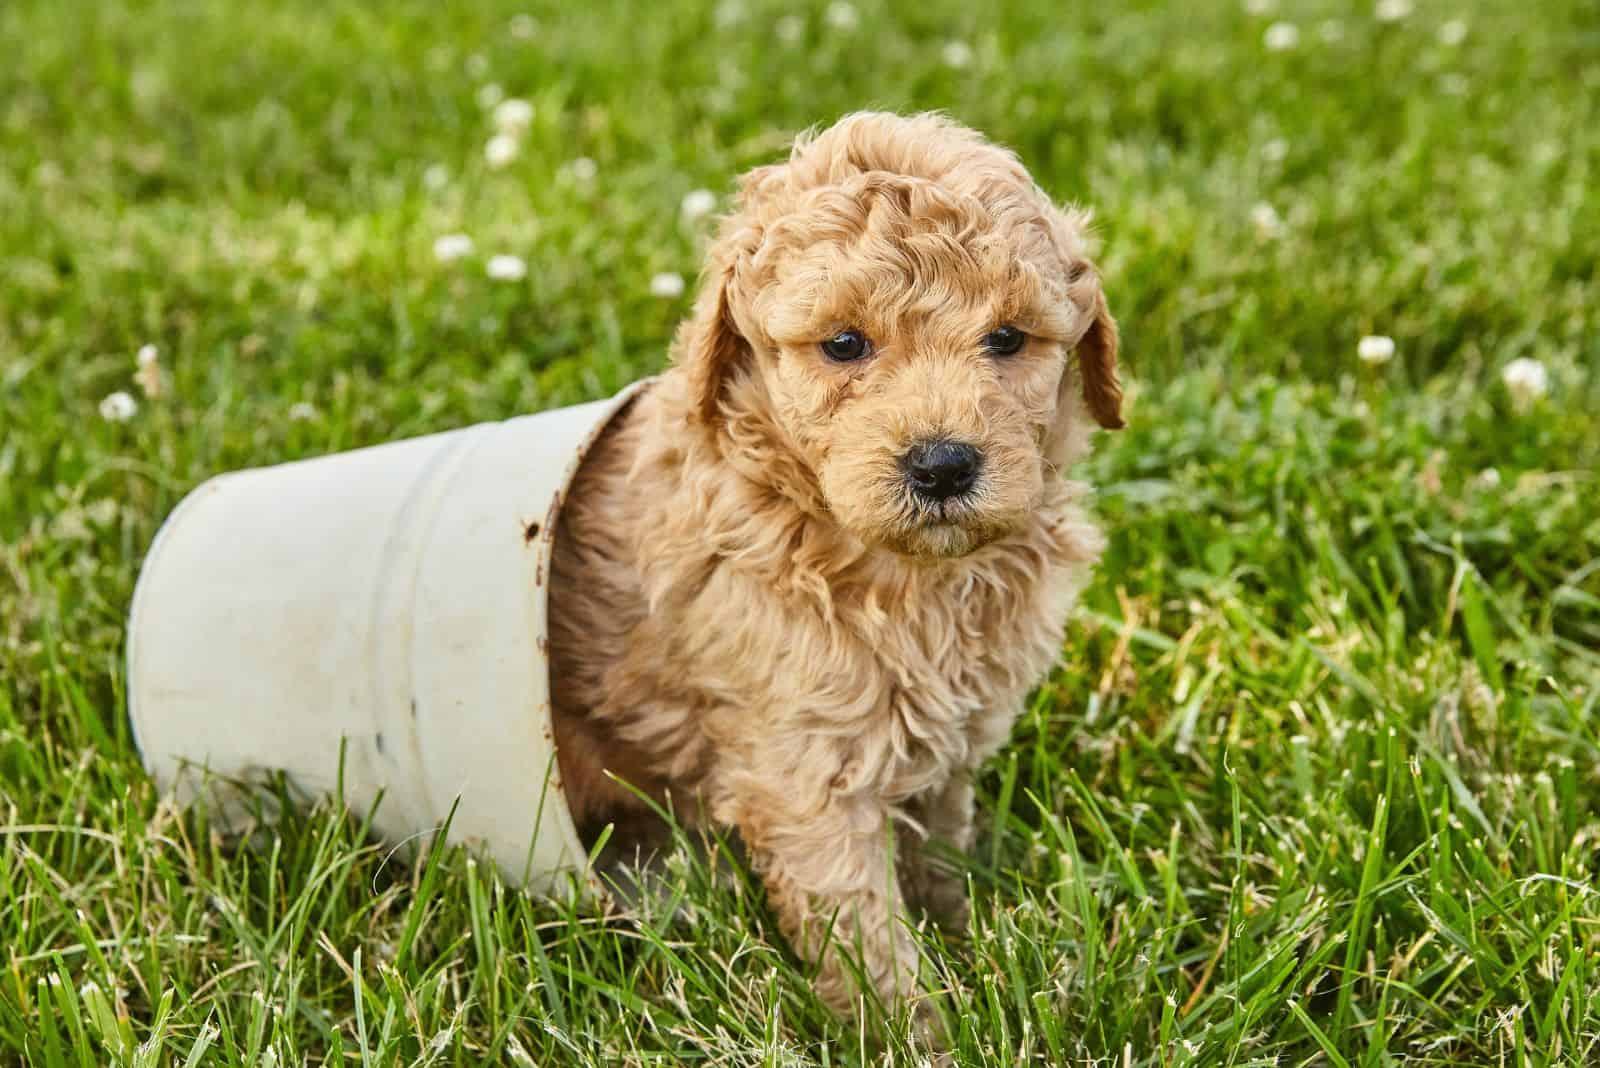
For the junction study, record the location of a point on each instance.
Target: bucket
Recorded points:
(372, 622)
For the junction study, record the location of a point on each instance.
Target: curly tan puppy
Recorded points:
(806, 581)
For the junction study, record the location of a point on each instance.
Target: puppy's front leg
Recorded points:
(932, 884)
(826, 864)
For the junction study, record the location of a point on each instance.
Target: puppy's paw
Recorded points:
(931, 1038)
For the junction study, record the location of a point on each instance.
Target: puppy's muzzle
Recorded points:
(939, 470)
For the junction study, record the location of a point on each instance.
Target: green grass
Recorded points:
(1316, 781)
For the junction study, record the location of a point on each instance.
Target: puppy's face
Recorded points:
(916, 366)
(911, 339)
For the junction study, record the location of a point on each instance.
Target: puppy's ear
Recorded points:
(1097, 346)
(1097, 365)
(709, 343)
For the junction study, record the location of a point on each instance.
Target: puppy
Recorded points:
(803, 584)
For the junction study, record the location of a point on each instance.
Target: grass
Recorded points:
(1316, 781)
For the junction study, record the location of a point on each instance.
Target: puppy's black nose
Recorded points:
(938, 470)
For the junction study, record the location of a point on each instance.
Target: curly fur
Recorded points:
(752, 617)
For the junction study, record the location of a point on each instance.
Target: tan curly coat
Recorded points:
(752, 616)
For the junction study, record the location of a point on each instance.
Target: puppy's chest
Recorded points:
(951, 674)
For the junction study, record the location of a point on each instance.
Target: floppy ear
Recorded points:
(709, 343)
(1097, 365)
(1097, 346)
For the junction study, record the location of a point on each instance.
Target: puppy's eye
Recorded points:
(1004, 341)
(846, 346)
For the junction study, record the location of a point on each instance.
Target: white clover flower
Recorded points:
(302, 412)
(729, 13)
(507, 268)
(436, 177)
(450, 247)
(1259, 7)
(1267, 221)
(501, 150)
(584, 169)
(477, 65)
(1275, 150)
(489, 95)
(1487, 479)
(148, 370)
(699, 203)
(1526, 380)
(957, 54)
(842, 16)
(1391, 10)
(1453, 84)
(1281, 36)
(1375, 349)
(522, 26)
(1453, 32)
(513, 115)
(69, 525)
(118, 407)
(790, 29)
(667, 285)
(1331, 31)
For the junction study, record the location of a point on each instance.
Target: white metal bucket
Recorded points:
(386, 606)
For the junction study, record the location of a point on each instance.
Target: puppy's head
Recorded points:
(916, 321)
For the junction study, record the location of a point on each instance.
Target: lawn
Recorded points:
(1316, 781)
